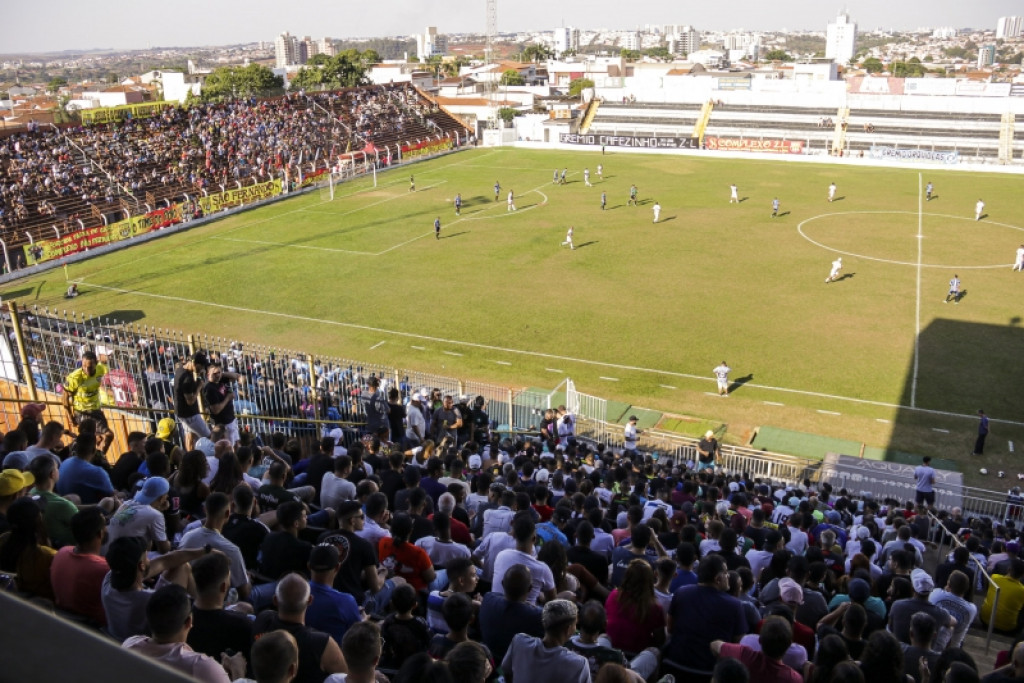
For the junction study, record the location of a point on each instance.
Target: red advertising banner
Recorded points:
(749, 145)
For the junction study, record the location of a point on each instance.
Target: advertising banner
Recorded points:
(244, 195)
(651, 142)
(72, 243)
(749, 145)
(938, 156)
(426, 148)
(314, 177)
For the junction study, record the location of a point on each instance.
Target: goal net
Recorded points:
(345, 167)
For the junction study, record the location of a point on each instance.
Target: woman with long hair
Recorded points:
(24, 550)
(188, 480)
(831, 651)
(635, 619)
(402, 558)
(229, 474)
(882, 661)
(553, 555)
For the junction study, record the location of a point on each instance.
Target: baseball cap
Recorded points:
(32, 409)
(165, 428)
(206, 446)
(922, 581)
(622, 520)
(151, 490)
(558, 612)
(733, 487)
(859, 591)
(542, 476)
(818, 515)
(833, 517)
(12, 481)
(790, 591)
(475, 461)
(794, 502)
(633, 418)
(863, 533)
(324, 557)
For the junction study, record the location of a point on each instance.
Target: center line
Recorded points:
(917, 329)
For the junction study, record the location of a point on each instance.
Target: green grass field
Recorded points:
(639, 311)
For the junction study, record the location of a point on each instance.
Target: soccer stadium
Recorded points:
(347, 366)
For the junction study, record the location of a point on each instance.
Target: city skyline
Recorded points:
(140, 24)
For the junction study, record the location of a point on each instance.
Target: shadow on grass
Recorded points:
(18, 293)
(586, 244)
(845, 276)
(119, 315)
(666, 219)
(739, 382)
(454, 234)
(780, 215)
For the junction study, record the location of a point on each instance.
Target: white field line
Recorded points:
(828, 412)
(772, 403)
(610, 379)
(377, 345)
(667, 386)
(501, 362)
(536, 354)
(917, 318)
(940, 431)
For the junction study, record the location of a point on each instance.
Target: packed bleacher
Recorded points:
(418, 543)
(75, 177)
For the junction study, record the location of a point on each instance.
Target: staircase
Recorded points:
(839, 138)
(702, 121)
(588, 118)
(1006, 130)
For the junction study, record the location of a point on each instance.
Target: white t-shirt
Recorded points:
(198, 538)
(629, 436)
(136, 519)
(334, 489)
(442, 553)
(543, 580)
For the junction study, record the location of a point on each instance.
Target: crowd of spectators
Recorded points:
(431, 549)
(58, 176)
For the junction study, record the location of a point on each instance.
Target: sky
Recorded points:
(140, 24)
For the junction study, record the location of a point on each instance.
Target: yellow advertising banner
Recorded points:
(245, 195)
(90, 238)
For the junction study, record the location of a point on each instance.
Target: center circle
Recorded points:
(893, 236)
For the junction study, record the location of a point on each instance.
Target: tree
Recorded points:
(508, 113)
(777, 56)
(512, 77)
(630, 55)
(241, 81)
(578, 85)
(660, 52)
(537, 53)
(318, 60)
(873, 65)
(56, 83)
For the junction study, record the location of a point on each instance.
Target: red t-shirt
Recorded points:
(407, 560)
(77, 582)
(625, 630)
(762, 669)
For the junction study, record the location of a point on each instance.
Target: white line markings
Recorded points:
(772, 403)
(452, 353)
(940, 431)
(553, 370)
(535, 354)
(711, 393)
(917, 304)
(666, 386)
(378, 344)
(828, 412)
(1009, 444)
(610, 379)
(419, 348)
(882, 420)
(501, 362)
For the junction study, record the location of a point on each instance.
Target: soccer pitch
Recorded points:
(639, 311)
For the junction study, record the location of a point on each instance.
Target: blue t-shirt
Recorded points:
(88, 481)
(700, 615)
(331, 611)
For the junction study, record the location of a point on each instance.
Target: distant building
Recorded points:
(327, 47)
(944, 33)
(430, 43)
(630, 40)
(1009, 27)
(986, 56)
(683, 40)
(841, 39)
(286, 50)
(566, 38)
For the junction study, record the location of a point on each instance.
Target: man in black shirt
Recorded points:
(129, 462)
(247, 533)
(219, 399)
(215, 629)
(283, 551)
(188, 380)
(359, 574)
(320, 464)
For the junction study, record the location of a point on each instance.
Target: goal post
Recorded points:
(347, 166)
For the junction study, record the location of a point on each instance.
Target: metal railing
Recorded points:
(992, 585)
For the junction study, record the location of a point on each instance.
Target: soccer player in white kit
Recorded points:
(511, 201)
(954, 290)
(568, 239)
(1019, 263)
(586, 177)
(775, 207)
(657, 210)
(722, 377)
(837, 265)
(979, 209)
(831, 191)
(600, 170)
(734, 194)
